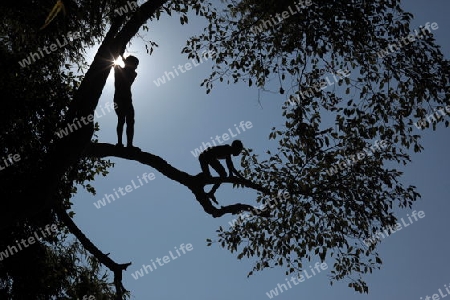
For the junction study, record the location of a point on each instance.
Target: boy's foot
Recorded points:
(120, 145)
(131, 147)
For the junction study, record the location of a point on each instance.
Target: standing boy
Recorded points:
(123, 79)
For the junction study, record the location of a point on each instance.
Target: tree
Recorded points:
(324, 214)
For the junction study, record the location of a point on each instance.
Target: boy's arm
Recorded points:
(230, 166)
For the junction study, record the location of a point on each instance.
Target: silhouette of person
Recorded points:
(123, 105)
(211, 156)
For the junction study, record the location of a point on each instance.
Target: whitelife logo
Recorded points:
(53, 47)
(31, 240)
(438, 296)
(7, 162)
(280, 17)
(166, 259)
(132, 6)
(187, 66)
(197, 151)
(318, 266)
(75, 126)
(128, 189)
(392, 229)
(391, 48)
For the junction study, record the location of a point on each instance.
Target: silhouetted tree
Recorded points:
(327, 214)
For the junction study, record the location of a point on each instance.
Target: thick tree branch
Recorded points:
(196, 183)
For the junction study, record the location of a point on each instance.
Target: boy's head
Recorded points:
(237, 147)
(131, 62)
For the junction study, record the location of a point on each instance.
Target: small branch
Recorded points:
(211, 195)
(237, 180)
(116, 268)
(234, 209)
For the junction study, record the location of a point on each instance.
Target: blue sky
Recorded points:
(177, 117)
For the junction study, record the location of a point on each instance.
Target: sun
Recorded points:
(119, 62)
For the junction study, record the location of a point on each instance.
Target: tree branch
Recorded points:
(139, 17)
(196, 183)
(116, 268)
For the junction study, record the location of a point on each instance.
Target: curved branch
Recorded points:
(104, 150)
(196, 183)
(116, 268)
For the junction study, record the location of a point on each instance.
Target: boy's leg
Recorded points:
(130, 126)
(120, 124)
(216, 165)
(204, 162)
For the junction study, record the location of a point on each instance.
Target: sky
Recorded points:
(157, 217)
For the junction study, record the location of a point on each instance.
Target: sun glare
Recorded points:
(119, 62)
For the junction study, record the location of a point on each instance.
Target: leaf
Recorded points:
(53, 13)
